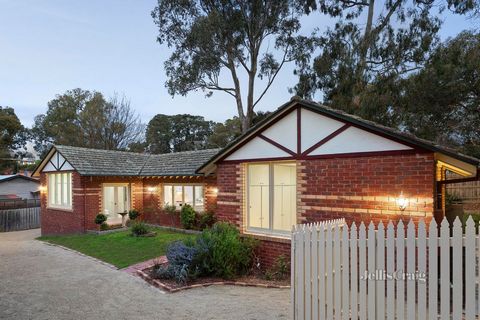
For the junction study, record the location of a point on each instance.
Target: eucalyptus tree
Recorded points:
(218, 43)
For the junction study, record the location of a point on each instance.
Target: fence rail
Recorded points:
(383, 273)
(19, 219)
(18, 203)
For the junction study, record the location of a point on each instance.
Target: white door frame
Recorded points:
(129, 197)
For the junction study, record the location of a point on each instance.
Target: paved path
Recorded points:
(38, 281)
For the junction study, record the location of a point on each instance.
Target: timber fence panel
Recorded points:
(19, 219)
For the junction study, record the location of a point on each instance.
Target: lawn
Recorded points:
(119, 248)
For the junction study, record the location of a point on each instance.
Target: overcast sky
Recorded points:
(50, 46)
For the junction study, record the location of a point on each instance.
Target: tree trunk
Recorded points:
(366, 42)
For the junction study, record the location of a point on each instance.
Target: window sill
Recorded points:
(69, 209)
(275, 237)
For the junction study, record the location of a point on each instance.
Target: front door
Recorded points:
(115, 200)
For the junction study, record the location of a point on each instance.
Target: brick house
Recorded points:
(304, 163)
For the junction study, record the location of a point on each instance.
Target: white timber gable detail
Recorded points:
(355, 140)
(257, 148)
(284, 132)
(320, 136)
(57, 163)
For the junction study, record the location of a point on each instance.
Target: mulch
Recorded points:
(170, 285)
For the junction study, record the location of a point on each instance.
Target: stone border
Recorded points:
(180, 230)
(100, 232)
(160, 285)
(111, 266)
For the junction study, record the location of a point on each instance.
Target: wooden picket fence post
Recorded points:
(385, 272)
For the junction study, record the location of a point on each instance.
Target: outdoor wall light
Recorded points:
(402, 202)
(215, 190)
(152, 189)
(42, 189)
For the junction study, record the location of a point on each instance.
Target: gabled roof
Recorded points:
(370, 126)
(11, 177)
(96, 162)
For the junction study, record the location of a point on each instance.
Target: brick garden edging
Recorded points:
(158, 284)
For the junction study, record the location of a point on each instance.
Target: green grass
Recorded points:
(119, 248)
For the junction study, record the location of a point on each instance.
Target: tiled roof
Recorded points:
(95, 162)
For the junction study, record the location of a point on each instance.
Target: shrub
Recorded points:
(139, 229)
(104, 226)
(279, 270)
(180, 266)
(171, 210)
(187, 217)
(206, 220)
(133, 214)
(223, 252)
(100, 219)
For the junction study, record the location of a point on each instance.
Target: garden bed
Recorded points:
(170, 285)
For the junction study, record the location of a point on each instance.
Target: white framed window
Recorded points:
(180, 194)
(60, 190)
(271, 197)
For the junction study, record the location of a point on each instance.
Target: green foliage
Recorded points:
(170, 209)
(181, 132)
(441, 101)
(280, 269)
(370, 48)
(206, 220)
(85, 118)
(223, 252)
(187, 216)
(209, 37)
(104, 226)
(452, 198)
(219, 251)
(133, 214)
(100, 218)
(224, 133)
(139, 228)
(12, 137)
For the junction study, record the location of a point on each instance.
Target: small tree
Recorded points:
(101, 219)
(133, 214)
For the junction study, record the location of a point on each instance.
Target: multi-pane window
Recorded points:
(179, 195)
(60, 190)
(271, 197)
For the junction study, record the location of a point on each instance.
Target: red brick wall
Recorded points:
(153, 200)
(357, 189)
(58, 221)
(366, 188)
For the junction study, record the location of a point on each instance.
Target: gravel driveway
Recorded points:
(39, 281)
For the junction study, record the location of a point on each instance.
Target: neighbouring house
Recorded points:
(304, 163)
(19, 187)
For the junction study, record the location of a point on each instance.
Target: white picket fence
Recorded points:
(417, 276)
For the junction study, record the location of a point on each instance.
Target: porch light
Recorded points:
(402, 202)
(215, 190)
(42, 189)
(152, 189)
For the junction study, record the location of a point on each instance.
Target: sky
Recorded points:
(48, 47)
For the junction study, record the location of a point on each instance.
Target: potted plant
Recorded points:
(171, 210)
(133, 214)
(101, 219)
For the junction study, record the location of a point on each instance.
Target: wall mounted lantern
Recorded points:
(402, 202)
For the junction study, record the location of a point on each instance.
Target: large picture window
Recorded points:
(271, 197)
(179, 195)
(60, 190)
